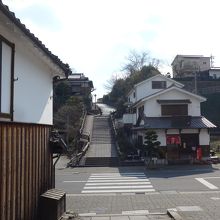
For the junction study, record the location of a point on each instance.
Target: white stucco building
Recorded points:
(27, 71)
(161, 104)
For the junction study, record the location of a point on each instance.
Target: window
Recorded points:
(167, 110)
(134, 95)
(204, 62)
(159, 84)
(6, 74)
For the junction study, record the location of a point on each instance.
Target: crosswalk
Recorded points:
(99, 183)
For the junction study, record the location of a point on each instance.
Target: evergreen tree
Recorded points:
(151, 144)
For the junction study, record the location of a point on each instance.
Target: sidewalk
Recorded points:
(189, 205)
(129, 217)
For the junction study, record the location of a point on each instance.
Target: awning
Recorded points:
(175, 122)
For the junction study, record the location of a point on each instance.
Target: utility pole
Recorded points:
(195, 82)
(95, 101)
(197, 70)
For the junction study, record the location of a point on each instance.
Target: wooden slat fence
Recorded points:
(26, 169)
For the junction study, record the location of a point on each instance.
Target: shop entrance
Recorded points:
(188, 146)
(182, 146)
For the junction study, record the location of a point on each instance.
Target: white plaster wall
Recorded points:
(131, 96)
(145, 89)
(153, 109)
(173, 131)
(128, 118)
(161, 137)
(204, 137)
(189, 131)
(33, 91)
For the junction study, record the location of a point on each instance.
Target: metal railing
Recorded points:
(112, 123)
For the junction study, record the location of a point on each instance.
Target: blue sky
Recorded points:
(95, 36)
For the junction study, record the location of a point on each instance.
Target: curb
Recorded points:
(174, 214)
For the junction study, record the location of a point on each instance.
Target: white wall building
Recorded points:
(26, 74)
(161, 104)
(27, 70)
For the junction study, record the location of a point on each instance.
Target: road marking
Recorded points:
(121, 174)
(115, 178)
(189, 208)
(142, 212)
(119, 180)
(215, 198)
(87, 214)
(206, 183)
(118, 191)
(123, 183)
(74, 181)
(199, 192)
(117, 183)
(118, 174)
(118, 187)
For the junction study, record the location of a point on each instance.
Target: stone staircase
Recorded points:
(101, 161)
(102, 150)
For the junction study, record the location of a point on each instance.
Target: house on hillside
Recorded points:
(191, 66)
(161, 104)
(27, 69)
(187, 65)
(80, 84)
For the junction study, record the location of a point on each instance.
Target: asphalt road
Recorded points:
(191, 190)
(73, 180)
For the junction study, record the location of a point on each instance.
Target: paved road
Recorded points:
(192, 191)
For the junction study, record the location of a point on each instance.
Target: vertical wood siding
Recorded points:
(26, 169)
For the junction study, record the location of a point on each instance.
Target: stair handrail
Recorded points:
(83, 121)
(115, 135)
(76, 158)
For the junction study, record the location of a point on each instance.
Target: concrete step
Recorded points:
(101, 161)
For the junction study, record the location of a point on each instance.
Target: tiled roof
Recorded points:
(165, 90)
(34, 39)
(176, 122)
(173, 101)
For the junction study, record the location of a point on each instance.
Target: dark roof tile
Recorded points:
(176, 122)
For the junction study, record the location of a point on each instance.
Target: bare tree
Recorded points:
(155, 63)
(135, 61)
(111, 82)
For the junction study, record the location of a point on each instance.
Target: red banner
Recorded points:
(173, 139)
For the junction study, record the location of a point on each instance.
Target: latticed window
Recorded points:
(159, 84)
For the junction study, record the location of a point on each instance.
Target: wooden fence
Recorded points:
(26, 169)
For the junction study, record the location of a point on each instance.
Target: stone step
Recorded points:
(101, 161)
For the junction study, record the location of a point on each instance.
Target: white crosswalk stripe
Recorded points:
(99, 183)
